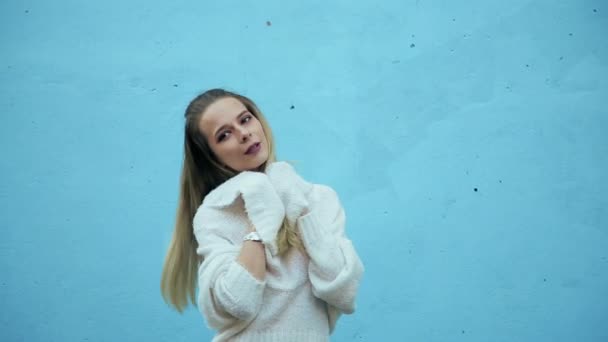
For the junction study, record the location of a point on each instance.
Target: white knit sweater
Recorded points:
(303, 294)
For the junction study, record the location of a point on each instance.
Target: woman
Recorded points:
(266, 248)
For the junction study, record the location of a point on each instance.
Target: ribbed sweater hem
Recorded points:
(281, 336)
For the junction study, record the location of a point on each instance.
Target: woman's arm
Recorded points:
(253, 257)
(228, 291)
(335, 269)
(231, 277)
(232, 274)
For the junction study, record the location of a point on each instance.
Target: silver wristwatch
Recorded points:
(252, 236)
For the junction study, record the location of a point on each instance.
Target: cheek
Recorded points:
(260, 130)
(220, 152)
(228, 150)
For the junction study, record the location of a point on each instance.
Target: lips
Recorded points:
(252, 147)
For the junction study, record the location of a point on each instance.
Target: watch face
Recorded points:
(253, 236)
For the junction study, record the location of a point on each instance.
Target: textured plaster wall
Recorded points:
(467, 142)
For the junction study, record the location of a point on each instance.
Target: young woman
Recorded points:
(267, 250)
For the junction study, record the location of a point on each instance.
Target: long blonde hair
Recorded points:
(201, 173)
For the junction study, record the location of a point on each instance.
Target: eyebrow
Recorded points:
(224, 125)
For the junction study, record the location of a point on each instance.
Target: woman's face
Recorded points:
(231, 130)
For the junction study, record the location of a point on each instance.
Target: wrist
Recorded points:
(253, 236)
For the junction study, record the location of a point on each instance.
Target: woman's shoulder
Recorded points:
(324, 196)
(323, 190)
(216, 214)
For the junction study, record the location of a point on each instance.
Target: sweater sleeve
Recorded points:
(335, 269)
(227, 291)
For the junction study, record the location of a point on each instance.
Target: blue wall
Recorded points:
(467, 143)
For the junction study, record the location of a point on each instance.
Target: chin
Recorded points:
(253, 166)
(259, 162)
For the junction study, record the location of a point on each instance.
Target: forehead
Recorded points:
(220, 112)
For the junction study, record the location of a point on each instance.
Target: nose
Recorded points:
(245, 135)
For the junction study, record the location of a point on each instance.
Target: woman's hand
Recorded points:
(291, 188)
(263, 206)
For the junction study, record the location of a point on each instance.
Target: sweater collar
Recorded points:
(226, 193)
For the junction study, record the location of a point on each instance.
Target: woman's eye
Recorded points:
(244, 120)
(221, 137)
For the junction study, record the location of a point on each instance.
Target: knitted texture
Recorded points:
(303, 294)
